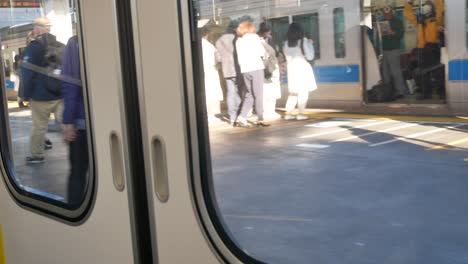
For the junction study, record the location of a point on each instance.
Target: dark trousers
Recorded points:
(233, 97)
(430, 76)
(79, 163)
(253, 82)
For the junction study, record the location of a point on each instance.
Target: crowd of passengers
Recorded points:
(251, 72)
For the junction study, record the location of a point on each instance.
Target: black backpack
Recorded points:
(379, 93)
(52, 63)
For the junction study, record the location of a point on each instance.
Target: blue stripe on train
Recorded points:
(337, 74)
(458, 70)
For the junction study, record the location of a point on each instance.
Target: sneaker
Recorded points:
(241, 122)
(48, 144)
(301, 117)
(262, 124)
(289, 117)
(34, 160)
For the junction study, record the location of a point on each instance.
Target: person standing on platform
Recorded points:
(271, 86)
(41, 68)
(301, 79)
(227, 56)
(250, 53)
(213, 91)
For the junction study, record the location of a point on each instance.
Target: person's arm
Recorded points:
(71, 92)
(409, 14)
(219, 50)
(31, 57)
(309, 49)
(399, 29)
(257, 45)
(440, 9)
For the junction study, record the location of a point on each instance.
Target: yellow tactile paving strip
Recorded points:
(2, 253)
(450, 144)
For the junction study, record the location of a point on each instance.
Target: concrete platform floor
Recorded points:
(345, 190)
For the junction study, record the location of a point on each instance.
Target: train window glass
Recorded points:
(310, 23)
(289, 172)
(44, 139)
(279, 26)
(339, 32)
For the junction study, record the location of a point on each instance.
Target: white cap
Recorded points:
(42, 22)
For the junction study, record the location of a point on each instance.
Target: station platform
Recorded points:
(344, 186)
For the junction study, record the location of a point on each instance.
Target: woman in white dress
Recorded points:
(271, 85)
(213, 91)
(301, 80)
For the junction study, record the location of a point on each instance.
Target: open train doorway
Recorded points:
(405, 57)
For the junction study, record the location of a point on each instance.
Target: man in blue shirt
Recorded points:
(74, 120)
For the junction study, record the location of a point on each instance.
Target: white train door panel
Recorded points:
(177, 233)
(99, 230)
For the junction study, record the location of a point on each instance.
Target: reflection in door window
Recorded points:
(45, 142)
(308, 181)
(340, 34)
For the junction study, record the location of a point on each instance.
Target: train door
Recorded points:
(246, 197)
(67, 193)
(405, 53)
(177, 234)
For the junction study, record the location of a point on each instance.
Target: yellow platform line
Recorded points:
(2, 252)
(450, 144)
(454, 119)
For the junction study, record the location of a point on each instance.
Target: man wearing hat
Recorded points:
(41, 69)
(392, 33)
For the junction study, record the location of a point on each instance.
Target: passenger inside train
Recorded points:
(415, 34)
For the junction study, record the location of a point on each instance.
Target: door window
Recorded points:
(340, 32)
(310, 23)
(288, 182)
(44, 137)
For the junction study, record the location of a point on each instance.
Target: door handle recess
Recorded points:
(117, 162)
(159, 163)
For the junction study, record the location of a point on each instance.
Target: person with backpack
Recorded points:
(41, 72)
(301, 79)
(271, 86)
